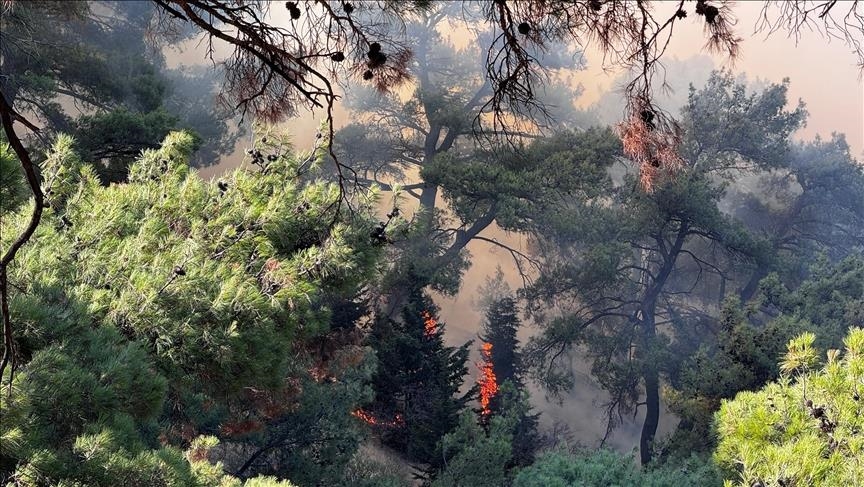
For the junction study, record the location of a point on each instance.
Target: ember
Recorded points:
(371, 420)
(430, 326)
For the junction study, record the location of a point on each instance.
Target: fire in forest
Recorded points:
(371, 420)
(430, 325)
(487, 381)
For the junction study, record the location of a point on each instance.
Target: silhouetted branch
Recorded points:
(8, 115)
(796, 15)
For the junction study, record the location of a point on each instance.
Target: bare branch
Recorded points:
(8, 115)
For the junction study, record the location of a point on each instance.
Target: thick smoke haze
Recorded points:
(808, 63)
(822, 72)
(490, 257)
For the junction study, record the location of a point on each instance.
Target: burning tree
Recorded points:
(501, 384)
(418, 380)
(430, 325)
(487, 382)
(499, 332)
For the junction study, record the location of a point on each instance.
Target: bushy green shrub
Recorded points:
(806, 428)
(607, 468)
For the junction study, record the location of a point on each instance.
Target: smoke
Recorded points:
(822, 73)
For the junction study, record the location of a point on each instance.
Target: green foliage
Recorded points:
(487, 452)
(809, 207)
(743, 357)
(211, 474)
(417, 255)
(633, 279)
(151, 312)
(524, 185)
(432, 133)
(829, 299)
(418, 381)
(801, 356)
(728, 123)
(313, 441)
(745, 352)
(482, 457)
(114, 139)
(607, 468)
(56, 52)
(13, 186)
(499, 329)
(801, 430)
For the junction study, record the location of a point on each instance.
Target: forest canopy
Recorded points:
(688, 271)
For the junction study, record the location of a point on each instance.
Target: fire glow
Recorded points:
(430, 326)
(487, 381)
(371, 420)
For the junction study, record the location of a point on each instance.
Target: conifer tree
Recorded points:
(484, 451)
(154, 312)
(616, 273)
(499, 335)
(499, 330)
(804, 429)
(419, 379)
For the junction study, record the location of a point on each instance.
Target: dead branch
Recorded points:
(8, 116)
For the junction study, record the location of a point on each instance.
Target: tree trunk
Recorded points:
(427, 198)
(652, 389)
(752, 285)
(652, 415)
(648, 325)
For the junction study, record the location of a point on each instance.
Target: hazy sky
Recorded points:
(823, 72)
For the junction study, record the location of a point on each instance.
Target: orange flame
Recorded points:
(371, 420)
(430, 326)
(237, 428)
(487, 381)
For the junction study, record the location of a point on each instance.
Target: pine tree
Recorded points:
(501, 354)
(804, 429)
(418, 382)
(499, 330)
(485, 451)
(171, 307)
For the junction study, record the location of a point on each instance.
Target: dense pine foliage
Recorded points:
(170, 307)
(804, 429)
(418, 380)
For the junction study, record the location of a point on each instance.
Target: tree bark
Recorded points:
(428, 195)
(652, 383)
(648, 323)
(652, 415)
(752, 285)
